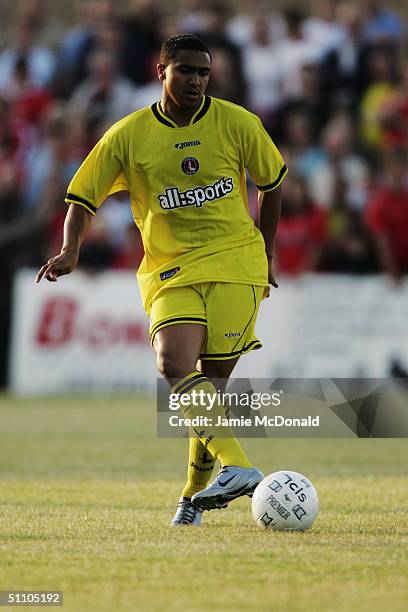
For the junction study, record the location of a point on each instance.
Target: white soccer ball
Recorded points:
(285, 500)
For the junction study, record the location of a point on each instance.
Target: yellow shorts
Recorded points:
(228, 311)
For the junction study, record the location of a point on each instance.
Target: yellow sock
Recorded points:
(200, 467)
(218, 440)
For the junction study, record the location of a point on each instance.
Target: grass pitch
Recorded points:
(87, 493)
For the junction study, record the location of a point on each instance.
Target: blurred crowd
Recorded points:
(329, 78)
(330, 83)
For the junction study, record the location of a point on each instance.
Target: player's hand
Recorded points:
(57, 266)
(271, 274)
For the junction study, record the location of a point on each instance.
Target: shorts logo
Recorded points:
(168, 273)
(190, 165)
(188, 143)
(174, 198)
(232, 335)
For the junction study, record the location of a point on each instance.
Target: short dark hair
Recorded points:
(181, 42)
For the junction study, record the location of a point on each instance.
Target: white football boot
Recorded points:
(186, 514)
(231, 482)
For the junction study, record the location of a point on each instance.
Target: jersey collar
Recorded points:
(199, 114)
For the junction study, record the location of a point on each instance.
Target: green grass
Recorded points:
(87, 492)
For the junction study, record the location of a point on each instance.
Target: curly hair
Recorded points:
(181, 42)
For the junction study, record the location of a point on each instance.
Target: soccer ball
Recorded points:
(285, 500)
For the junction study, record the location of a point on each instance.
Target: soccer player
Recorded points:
(206, 266)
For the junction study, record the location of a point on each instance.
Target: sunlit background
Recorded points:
(329, 80)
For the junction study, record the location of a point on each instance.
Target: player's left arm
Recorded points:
(270, 208)
(76, 226)
(100, 174)
(267, 169)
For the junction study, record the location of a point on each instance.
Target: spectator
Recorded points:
(40, 60)
(293, 53)
(351, 249)
(262, 73)
(343, 69)
(151, 91)
(79, 43)
(48, 29)
(58, 152)
(381, 90)
(10, 171)
(12, 251)
(29, 102)
(382, 24)
(216, 15)
(97, 253)
(15, 137)
(105, 96)
(240, 27)
(309, 102)
(130, 255)
(192, 16)
(117, 216)
(221, 87)
(394, 114)
(340, 163)
(323, 30)
(22, 235)
(302, 229)
(300, 151)
(141, 39)
(388, 216)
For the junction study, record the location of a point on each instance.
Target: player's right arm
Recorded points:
(100, 174)
(267, 169)
(270, 209)
(77, 222)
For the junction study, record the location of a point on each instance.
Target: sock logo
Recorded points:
(206, 459)
(173, 198)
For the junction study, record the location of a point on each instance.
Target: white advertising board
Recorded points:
(331, 327)
(90, 333)
(82, 333)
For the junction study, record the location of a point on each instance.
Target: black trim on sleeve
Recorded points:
(206, 106)
(159, 117)
(75, 198)
(275, 183)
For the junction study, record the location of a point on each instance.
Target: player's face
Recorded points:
(186, 78)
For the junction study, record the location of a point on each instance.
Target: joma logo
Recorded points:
(188, 143)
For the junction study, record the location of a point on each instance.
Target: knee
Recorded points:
(171, 366)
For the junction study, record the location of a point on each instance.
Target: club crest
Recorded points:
(190, 165)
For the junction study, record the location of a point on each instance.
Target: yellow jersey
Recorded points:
(188, 192)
